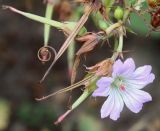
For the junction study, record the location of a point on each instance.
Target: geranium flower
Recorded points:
(124, 87)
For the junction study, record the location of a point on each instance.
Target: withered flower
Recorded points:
(90, 40)
(103, 68)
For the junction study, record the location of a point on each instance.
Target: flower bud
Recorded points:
(118, 13)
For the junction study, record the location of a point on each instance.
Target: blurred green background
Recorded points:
(20, 71)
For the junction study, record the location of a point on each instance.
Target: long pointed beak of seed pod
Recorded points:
(62, 117)
(83, 97)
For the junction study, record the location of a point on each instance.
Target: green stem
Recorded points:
(85, 94)
(120, 46)
(113, 27)
(118, 50)
(70, 56)
(48, 15)
(115, 44)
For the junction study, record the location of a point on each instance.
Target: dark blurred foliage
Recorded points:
(21, 71)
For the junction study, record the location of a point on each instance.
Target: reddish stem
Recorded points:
(62, 117)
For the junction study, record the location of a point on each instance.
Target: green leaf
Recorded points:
(139, 26)
(139, 4)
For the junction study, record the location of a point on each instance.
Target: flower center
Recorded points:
(118, 83)
(122, 87)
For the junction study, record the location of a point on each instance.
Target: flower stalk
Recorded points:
(120, 46)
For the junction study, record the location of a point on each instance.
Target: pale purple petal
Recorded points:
(104, 82)
(140, 83)
(118, 106)
(140, 95)
(101, 91)
(103, 87)
(132, 104)
(117, 67)
(107, 106)
(142, 72)
(124, 69)
(143, 75)
(128, 67)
